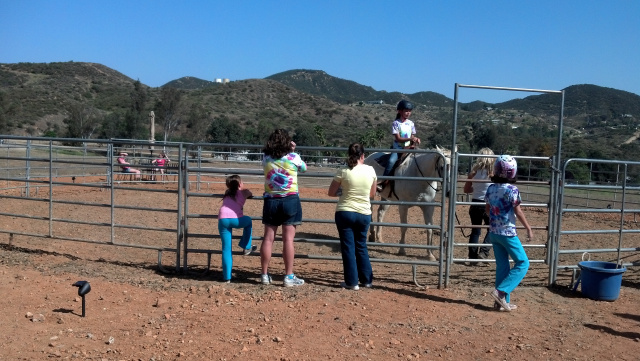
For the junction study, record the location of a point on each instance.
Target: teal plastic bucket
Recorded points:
(601, 281)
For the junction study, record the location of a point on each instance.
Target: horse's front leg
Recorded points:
(427, 213)
(404, 211)
(374, 232)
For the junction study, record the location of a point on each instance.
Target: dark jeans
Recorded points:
(478, 216)
(353, 228)
(393, 158)
(278, 211)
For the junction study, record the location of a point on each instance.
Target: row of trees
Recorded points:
(172, 112)
(84, 121)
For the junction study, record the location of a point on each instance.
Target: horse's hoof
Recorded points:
(432, 257)
(402, 252)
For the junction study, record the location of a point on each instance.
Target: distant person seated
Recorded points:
(125, 166)
(161, 163)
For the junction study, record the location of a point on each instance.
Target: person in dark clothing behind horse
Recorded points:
(404, 135)
(482, 170)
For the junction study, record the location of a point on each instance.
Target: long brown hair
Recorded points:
(356, 150)
(278, 145)
(233, 185)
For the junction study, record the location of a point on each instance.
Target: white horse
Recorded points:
(419, 165)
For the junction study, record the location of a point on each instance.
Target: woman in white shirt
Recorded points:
(481, 170)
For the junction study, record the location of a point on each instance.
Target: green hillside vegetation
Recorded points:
(87, 100)
(190, 83)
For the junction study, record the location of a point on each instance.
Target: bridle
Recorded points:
(438, 168)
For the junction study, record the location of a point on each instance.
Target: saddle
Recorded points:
(383, 160)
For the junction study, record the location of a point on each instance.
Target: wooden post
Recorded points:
(152, 129)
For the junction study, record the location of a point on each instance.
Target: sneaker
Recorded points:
(367, 285)
(501, 300)
(344, 285)
(226, 281)
(249, 251)
(497, 307)
(292, 281)
(265, 279)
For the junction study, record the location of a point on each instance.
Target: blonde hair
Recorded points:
(485, 163)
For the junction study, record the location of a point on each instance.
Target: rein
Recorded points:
(422, 174)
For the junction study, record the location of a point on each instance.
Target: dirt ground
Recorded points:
(136, 312)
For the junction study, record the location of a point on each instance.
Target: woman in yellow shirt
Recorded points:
(355, 186)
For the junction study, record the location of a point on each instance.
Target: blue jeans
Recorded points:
(507, 278)
(353, 228)
(478, 216)
(393, 158)
(225, 227)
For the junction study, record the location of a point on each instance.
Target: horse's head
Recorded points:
(444, 164)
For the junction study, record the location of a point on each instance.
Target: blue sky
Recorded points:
(406, 46)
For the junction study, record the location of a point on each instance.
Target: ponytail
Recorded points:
(356, 150)
(233, 185)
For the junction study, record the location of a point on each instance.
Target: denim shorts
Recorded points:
(277, 211)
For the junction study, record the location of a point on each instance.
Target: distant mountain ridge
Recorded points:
(190, 83)
(579, 99)
(343, 91)
(587, 99)
(39, 98)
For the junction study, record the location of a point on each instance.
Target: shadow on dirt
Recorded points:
(66, 310)
(611, 331)
(628, 316)
(430, 297)
(565, 291)
(8, 247)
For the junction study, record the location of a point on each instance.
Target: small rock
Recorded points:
(111, 340)
(277, 339)
(160, 302)
(29, 315)
(38, 318)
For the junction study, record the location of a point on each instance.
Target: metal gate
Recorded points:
(610, 207)
(73, 190)
(210, 163)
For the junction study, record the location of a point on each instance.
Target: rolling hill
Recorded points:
(38, 99)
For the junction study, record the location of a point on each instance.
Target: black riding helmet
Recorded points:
(404, 104)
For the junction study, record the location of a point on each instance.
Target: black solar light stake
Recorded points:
(83, 288)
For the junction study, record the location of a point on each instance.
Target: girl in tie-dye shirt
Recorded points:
(281, 202)
(281, 175)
